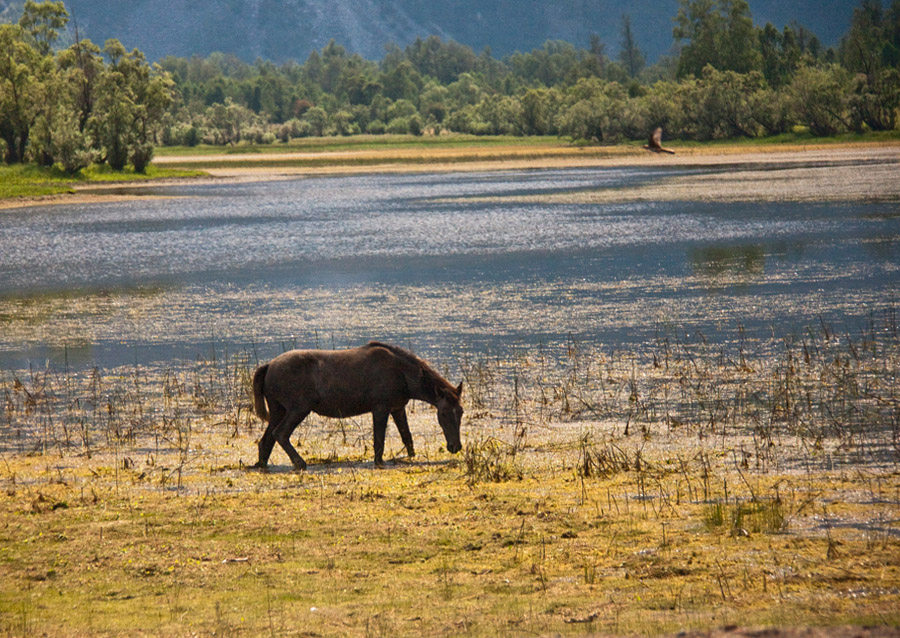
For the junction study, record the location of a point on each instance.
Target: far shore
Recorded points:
(882, 182)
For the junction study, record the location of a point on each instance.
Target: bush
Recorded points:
(398, 126)
(141, 154)
(416, 125)
(376, 127)
(820, 97)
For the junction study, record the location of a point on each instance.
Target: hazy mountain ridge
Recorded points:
(280, 30)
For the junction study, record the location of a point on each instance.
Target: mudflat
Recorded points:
(769, 173)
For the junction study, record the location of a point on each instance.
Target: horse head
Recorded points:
(450, 416)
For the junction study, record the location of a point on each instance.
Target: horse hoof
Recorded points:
(262, 467)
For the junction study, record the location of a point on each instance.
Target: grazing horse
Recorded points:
(375, 378)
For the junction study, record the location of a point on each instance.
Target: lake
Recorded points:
(450, 265)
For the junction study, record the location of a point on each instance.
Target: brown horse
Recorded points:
(374, 378)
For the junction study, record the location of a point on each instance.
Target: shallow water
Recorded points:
(416, 260)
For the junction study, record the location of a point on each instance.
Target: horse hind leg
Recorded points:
(283, 433)
(267, 441)
(379, 431)
(402, 424)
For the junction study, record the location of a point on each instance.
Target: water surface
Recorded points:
(426, 261)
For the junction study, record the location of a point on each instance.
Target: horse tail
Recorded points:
(259, 399)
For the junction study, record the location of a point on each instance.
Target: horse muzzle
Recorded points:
(453, 448)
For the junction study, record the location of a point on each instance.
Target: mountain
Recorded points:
(282, 30)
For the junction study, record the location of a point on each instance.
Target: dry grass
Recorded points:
(691, 487)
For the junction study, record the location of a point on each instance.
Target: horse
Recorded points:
(376, 378)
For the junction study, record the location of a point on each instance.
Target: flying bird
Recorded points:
(655, 142)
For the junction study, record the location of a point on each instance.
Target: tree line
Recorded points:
(726, 78)
(77, 105)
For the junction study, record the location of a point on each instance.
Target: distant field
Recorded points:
(361, 152)
(363, 142)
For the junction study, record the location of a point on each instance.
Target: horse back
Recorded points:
(338, 383)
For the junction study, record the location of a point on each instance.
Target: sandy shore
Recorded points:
(845, 172)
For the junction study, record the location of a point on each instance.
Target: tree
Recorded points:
(131, 99)
(726, 108)
(594, 111)
(780, 53)
(317, 118)
(21, 90)
(630, 55)
(820, 98)
(228, 121)
(582, 121)
(539, 111)
(862, 47)
(42, 22)
(717, 32)
(402, 81)
(876, 100)
(870, 49)
(82, 64)
(441, 61)
(739, 45)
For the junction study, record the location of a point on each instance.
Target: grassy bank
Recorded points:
(688, 486)
(31, 181)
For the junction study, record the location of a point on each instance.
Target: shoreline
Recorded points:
(233, 169)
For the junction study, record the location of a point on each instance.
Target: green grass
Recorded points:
(29, 180)
(103, 173)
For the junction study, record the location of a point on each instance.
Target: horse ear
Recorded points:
(459, 388)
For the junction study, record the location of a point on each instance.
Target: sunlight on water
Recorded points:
(337, 261)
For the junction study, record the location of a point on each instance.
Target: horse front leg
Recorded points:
(379, 429)
(399, 416)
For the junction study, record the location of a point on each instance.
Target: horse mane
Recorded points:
(431, 381)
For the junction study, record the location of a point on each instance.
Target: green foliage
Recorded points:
(70, 107)
(731, 79)
(630, 55)
(22, 70)
(768, 516)
(820, 98)
(42, 21)
(718, 33)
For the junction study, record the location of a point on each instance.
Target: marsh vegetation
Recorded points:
(688, 485)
